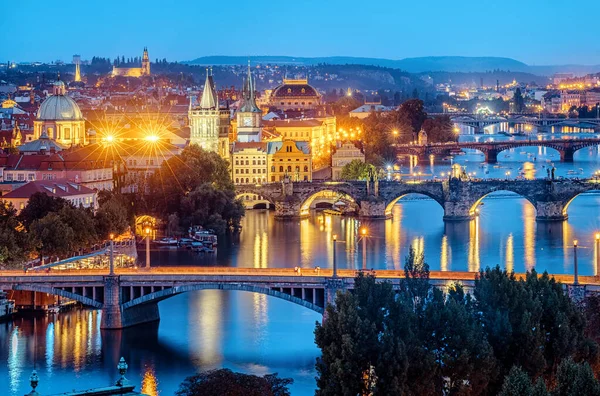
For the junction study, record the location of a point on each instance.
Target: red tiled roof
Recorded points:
(54, 188)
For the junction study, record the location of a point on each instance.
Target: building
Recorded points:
(370, 107)
(344, 154)
(77, 62)
(76, 194)
(249, 116)
(60, 118)
(289, 159)
(209, 123)
(134, 71)
(249, 162)
(295, 95)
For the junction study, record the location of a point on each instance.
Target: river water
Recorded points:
(258, 334)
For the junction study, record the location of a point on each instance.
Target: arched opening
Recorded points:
(338, 200)
(414, 197)
(500, 195)
(532, 152)
(586, 204)
(253, 200)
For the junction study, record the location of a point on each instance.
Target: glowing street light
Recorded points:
(111, 262)
(110, 138)
(147, 232)
(363, 233)
(334, 261)
(152, 138)
(575, 267)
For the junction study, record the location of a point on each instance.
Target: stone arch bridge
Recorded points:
(459, 199)
(565, 147)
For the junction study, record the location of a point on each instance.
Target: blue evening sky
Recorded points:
(536, 32)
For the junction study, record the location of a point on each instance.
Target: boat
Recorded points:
(332, 212)
(166, 241)
(199, 234)
(53, 310)
(185, 242)
(7, 307)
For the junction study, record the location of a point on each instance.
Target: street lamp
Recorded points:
(147, 231)
(575, 267)
(111, 263)
(597, 252)
(334, 261)
(363, 233)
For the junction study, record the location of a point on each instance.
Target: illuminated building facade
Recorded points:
(345, 154)
(289, 158)
(249, 116)
(295, 94)
(77, 62)
(209, 123)
(60, 118)
(249, 162)
(134, 71)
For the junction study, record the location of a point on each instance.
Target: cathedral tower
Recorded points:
(145, 63)
(249, 116)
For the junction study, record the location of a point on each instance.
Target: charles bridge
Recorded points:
(458, 198)
(131, 296)
(565, 147)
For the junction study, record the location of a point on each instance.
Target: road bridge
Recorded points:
(458, 198)
(565, 147)
(131, 296)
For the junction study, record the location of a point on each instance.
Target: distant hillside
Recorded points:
(412, 65)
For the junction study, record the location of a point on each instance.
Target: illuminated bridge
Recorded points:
(459, 199)
(131, 296)
(565, 147)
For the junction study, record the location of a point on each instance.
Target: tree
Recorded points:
(226, 382)
(413, 111)
(111, 216)
(518, 383)
(518, 101)
(52, 236)
(440, 130)
(573, 379)
(356, 170)
(38, 206)
(81, 221)
(14, 243)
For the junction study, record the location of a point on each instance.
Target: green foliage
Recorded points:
(439, 130)
(38, 206)
(112, 216)
(197, 187)
(52, 235)
(212, 208)
(226, 382)
(419, 340)
(519, 101)
(14, 242)
(356, 170)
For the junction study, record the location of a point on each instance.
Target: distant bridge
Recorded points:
(479, 122)
(459, 199)
(565, 147)
(131, 296)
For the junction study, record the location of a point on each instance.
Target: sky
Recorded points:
(537, 32)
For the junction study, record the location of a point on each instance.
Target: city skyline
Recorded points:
(311, 29)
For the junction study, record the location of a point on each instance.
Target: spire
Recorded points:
(77, 73)
(248, 94)
(209, 96)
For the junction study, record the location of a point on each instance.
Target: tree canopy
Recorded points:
(226, 382)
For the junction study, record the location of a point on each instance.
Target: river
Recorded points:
(259, 334)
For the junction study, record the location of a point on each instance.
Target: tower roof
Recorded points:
(209, 99)
(248, 95)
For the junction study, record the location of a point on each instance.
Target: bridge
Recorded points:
(565, 147)
(131, 297)
(459, 199)
(478, 122)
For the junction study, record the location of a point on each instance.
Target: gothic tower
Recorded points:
(145, 63)
(249, 116)
(206, 121)
(77, 73)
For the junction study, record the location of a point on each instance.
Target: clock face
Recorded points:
(247, 121)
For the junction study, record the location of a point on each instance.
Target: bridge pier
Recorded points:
(566, 155)
(288, 210)
(491, 156)
(114, 317)
(458, 211)
(550, 211)
(373, 210)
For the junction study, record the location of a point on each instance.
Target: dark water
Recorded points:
(259, 334)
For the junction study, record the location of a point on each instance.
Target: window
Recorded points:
(236, 162)
(9, 177)
(21, 177)
(31, 177)
(289, 168)
(272, 169)
(67, 134)
(247, 170)
(237, 180)
(297, 169)
(305, 168)
(247, 162)
(236, 171)
(253, 170)
(272, 178)
(281, 169)
(264, 162)
(247, 180)
(253, 162)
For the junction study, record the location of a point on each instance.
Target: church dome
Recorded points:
(294, 89)
(59, 108)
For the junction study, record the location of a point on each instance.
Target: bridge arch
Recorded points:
(327, 195)
(173, 291)
(390, 205)
(473, 210)
(243, 191)
(570, 200)
(59, 292)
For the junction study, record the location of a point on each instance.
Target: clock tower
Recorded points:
(249, 116)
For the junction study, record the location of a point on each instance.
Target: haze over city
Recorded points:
(528, 31)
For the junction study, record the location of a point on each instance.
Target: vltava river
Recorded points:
(259, 334)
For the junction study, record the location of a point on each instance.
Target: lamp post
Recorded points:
(147, 231)
(111, 263)
(575, 268)
(597, 244)
(363, 233)
(334, 261)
